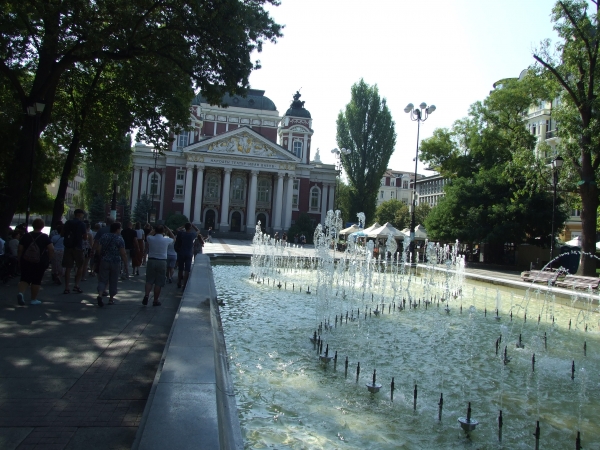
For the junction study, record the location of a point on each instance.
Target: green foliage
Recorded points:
(96, 211)
(395, 212)
(573, 71)
(495, 197)
(365, 128)
(304, 226)
(126, 209)
(175, 220)
(422, 211)
(141, 212)
(343, 201)
(103, 68)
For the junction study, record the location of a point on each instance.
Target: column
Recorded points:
(187, 196)
(287, 218)
(198, 198)
(284, 207)
(331, 196)
(278, 203)
(136, 187)
(163, 180)
(305, 149)
(224, 226)
(323, 203)
(144, 180)
(290, 142)
(251, 216)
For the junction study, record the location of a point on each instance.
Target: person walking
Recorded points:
(74, 233)
(210, 233)
(131, 246)
(137, 261)
(157, 262)
(171, 261)
(185, 253)
(87, 245)
(198, 245)
(35, 252)
(57, 240)
(111, 249)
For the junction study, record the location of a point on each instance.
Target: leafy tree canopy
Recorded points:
(573, 71)
(393, 211)
(365, 128)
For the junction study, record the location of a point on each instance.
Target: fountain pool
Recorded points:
(288, 398)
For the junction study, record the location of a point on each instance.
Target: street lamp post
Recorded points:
(33, 111)
(338, 167)
(113, 206)
(556, 164)
(417, 115)
(153, 188)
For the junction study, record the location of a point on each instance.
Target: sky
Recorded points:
(443, 52)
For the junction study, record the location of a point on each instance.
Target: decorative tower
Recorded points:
(295, 132)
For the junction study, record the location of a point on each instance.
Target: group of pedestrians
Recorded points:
(110, 248)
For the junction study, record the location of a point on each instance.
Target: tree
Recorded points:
(124, 203)
(366, 129)
(343, 201)
(494, 196)
(142, 209)
(393, 211)
(422, 212)
(96, 212)
(575, 69)
(175, 220)
(40, 42)
(304, 226)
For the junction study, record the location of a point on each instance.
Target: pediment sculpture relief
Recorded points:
(242, 143)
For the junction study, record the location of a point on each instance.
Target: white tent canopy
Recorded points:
(371, 228)
(385, 231)
(575, 242)
(353, 229)
(420, 233)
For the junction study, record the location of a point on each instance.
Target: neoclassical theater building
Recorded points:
(239, 165)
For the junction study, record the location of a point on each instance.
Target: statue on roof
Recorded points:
(297, 103)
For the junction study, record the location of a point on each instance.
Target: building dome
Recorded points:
(297, 108)
(254, 99)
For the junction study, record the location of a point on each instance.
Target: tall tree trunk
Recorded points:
(17, 180)
(59, 201)
(589, 202)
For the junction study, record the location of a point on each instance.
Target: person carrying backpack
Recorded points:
(35, 252)
(74, 233)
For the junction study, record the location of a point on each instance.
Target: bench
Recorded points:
(540, 276)
(579, 282)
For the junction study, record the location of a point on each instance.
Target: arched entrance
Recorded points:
(263, 221)
(236, 221)
(209, 219)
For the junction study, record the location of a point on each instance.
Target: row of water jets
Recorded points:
(347, 279)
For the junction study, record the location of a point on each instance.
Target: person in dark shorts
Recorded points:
(112, 252)
(156, 268)
(129, 236)
(33, 272)
(187, 236)
(74, 233)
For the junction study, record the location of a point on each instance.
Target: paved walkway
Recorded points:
(75, 376)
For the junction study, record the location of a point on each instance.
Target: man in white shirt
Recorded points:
(156, 267)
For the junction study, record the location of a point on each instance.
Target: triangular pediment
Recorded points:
(241, 142)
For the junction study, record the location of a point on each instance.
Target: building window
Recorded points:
(154, 182)
(182, 141)
(238, 188)
(380, 194)
(391, 195)
(575, 213)
(264, 194)
(405, 184)
(179, 183)
(212, 187)
(295, 194)
(298, 148)
(315, 198)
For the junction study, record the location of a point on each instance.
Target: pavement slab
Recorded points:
(76, 376)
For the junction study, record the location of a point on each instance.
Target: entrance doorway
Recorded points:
(236, 221)
(209, 220)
